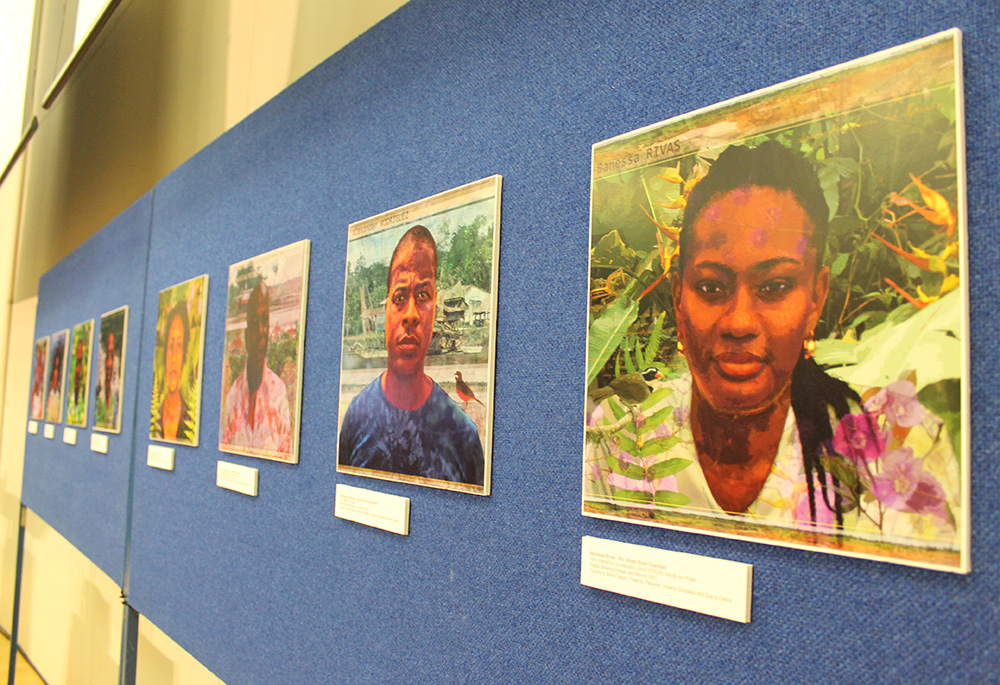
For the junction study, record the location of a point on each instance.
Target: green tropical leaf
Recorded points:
(667, 498)
(930, 340)
(657, 446)
(656, 396)
(611, 251)
(632, 471)
(944, 398)
(662, 469)
(652, 347)
(659, 417)
(630, 367)
(626, 445)
(839, 264)
(633, 496)
(608, 330)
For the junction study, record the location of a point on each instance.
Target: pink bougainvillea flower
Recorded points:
(898, 480)
(639, 419)
(668, 483)
(662, 431)
(596, 415)
(620, 482)
(859, 438)
(626, 458)
(681, 414)
(929, 497)
(898, 402)
(904, 485)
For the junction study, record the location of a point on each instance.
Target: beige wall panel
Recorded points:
(71, 612)
(149, 95)
(322, 28)
(10, 220)
(161, 661)
(164, 79)
(12, 439)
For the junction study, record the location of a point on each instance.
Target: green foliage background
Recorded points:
(465, 255)
(865, 160)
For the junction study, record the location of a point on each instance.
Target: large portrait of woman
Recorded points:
(777, 345)
(177, 364)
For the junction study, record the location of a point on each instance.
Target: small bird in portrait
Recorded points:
(464, 391)
(632, 388)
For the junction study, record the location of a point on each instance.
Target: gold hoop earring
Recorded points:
(809, 346)
(680, 347)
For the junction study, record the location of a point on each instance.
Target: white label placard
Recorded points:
(69, 435)
(160, 457)
(376, 509)
(33, 427)
(237, 477)
(99, 443)
(49, 431)
(716, 587)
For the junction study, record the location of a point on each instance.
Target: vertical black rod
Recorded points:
(130, 644)
(17, 595)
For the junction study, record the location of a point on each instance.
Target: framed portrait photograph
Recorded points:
(110, 371)
(778, 324)
(416, 378)
(177, 364)
(262, 360)
(39, 362)
(56, 380)
(80, 351)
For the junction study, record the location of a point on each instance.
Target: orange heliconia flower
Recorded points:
(937, 209)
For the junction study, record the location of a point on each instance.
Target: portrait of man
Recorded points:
(404, 422)
(790, 367)
(177, 367)
(37, 411)
(111, 356)
(261, 365)
(417, 419)
(56, 380)
(76, 405)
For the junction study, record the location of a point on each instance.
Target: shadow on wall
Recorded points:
(90, 650)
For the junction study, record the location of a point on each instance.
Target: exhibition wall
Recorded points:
(273, 587)
(164, 78)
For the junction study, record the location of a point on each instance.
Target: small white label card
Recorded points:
(99, 442)
(69, 435)
(716, 587)
(33, 427)
(237, 477)
(50, 431)
(160, 457)
(376, 509)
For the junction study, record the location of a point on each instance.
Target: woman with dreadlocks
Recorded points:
(758, 420)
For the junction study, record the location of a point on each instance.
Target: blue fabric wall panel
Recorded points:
(274, 589)
(80, 493)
